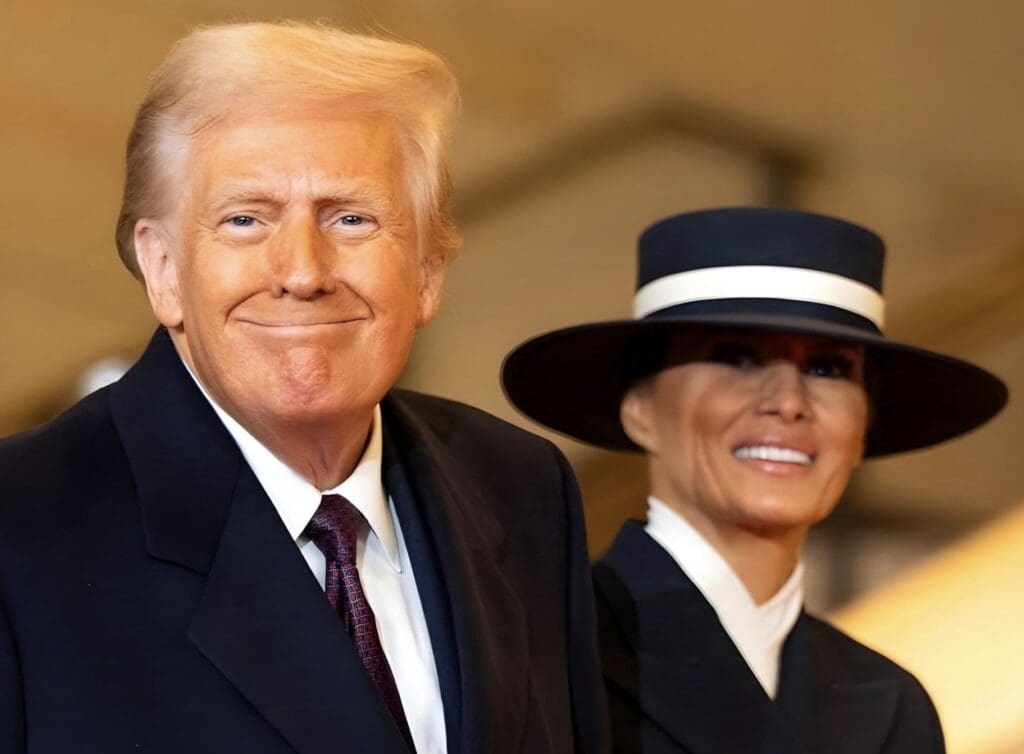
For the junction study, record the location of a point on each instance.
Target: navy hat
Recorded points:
(751, 268)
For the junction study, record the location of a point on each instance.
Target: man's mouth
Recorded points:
(299, 324)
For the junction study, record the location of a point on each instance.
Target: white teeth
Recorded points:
(772, 453)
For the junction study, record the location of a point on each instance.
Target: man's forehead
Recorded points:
(297, 133)
(355, 158)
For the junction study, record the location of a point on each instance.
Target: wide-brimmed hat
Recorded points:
(751, 268)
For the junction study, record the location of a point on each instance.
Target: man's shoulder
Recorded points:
(77, 433)
(480, 446)
(451, 421)
(59, 467)
(69, 453)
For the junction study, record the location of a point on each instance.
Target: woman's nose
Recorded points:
(784, 392)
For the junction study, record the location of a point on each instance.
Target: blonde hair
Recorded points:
(223, 70)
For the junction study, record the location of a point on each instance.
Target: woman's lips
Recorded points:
(773, 454)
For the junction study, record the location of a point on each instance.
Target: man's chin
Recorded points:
(309, 410)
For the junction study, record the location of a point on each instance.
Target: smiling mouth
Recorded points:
(319, 323)
(773, 454)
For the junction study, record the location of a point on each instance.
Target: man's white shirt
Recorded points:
(758, 631)
(383, 562)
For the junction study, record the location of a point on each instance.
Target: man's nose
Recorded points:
(302, 260)
(784, 392)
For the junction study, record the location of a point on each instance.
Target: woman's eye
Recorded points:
(734, 354)
(832, 366)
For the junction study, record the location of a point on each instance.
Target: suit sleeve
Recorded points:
(586, 688)
(12, 712)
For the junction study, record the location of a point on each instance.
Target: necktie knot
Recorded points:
(334, 529)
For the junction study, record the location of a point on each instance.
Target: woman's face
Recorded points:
(752, 430)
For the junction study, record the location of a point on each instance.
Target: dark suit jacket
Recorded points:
(677, 683)
(151, 599)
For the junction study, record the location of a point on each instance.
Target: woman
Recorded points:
(755, 377)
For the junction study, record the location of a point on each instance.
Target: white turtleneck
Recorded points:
(758, 631)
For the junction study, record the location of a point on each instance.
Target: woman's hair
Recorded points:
(226, 70)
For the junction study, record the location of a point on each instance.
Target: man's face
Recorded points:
(291, 278)
(754, 431)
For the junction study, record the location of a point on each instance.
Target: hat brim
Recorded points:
(572, 380)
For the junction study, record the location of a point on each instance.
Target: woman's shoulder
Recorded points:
(857, 661)
(916, 724)
(851, 661)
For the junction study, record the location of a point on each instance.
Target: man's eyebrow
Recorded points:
(370, 195)
(243, 196)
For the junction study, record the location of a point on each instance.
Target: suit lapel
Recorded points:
(489, 623)
(264, 623)
(690, 679)
(260, 619)
(432, 592)
(831, 704)
(184, 462)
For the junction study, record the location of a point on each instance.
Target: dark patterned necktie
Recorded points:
(334, 529)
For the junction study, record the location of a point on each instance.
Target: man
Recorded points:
(754, 378)
(166, 544)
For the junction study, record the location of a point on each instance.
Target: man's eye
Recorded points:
(354, 226)
(832, 366)
(242, 221)
(735, 355)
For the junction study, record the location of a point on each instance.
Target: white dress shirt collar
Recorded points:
(296, 500)
(758, 631)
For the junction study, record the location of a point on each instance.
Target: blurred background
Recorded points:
(583, 123)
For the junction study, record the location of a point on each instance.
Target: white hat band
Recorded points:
(761, 281)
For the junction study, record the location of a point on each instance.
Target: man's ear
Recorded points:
(635, 414)
(433, 266)
(159, 265)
